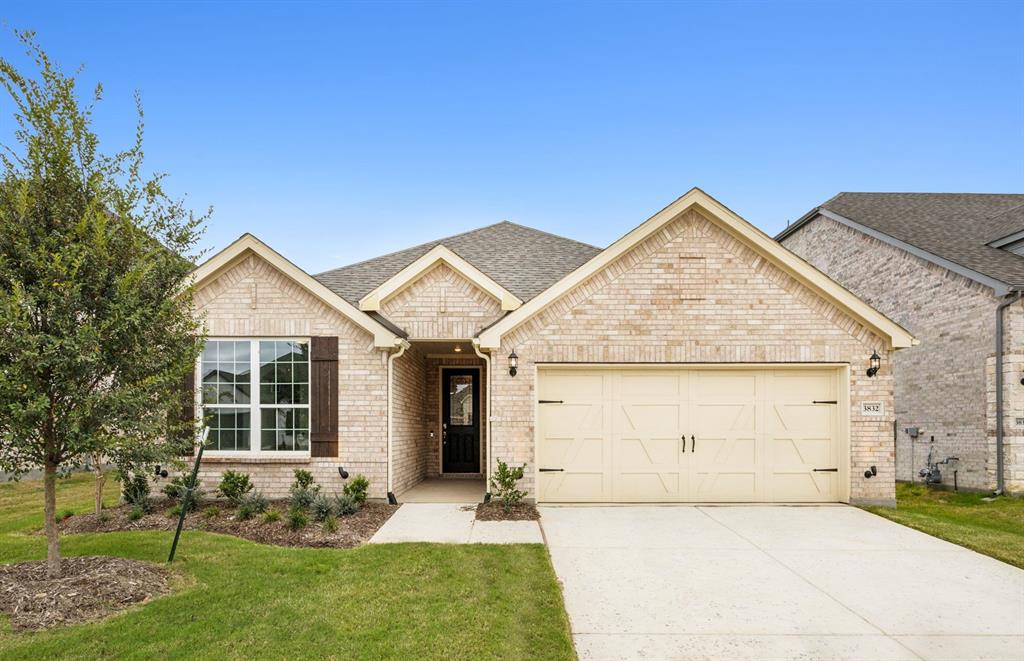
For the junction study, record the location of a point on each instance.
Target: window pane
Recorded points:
(224, 368)
(284, 429)
(460, 399)
(229, 428)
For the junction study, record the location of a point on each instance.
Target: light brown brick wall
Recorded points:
(433, 407)
(253, 299)
(752, 312)
(945, 386)
(441, 304)
(410, 444)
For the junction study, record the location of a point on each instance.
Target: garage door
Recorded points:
(695, 435)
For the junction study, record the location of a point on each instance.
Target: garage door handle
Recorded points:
(693, 443)
(550, 470)
(684, 443)
(826, 470)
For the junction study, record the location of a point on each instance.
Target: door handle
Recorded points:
(693, 443)
(683, 439)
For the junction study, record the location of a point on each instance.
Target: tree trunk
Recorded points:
(50, 512)
(101, 480)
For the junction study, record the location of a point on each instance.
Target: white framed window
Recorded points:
(254, 394)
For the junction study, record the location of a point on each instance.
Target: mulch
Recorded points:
(493, 511)
(89, 588)
(353, 529)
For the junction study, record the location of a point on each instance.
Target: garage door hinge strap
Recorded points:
(551, 470)
(826, 470)
(550, 401)
(824, 401)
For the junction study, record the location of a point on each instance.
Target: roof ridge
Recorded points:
(547, 233)
(865, 192)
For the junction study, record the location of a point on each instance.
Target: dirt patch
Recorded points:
(90, 587)
(352, 530)
(494, 511)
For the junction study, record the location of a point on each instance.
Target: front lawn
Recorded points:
(246, 600)
(994, 528)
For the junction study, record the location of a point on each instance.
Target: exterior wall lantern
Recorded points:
(876, 362)
(513, 363)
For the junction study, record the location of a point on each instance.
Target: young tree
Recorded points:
(97, 325)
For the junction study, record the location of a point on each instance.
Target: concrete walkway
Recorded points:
(452, 523)
(750, 582)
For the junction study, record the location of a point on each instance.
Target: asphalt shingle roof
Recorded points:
(953, 226)
(521, 259)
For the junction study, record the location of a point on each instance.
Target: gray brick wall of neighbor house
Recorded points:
(946, 385)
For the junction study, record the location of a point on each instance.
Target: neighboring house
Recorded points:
(943, 266)
(694, 359)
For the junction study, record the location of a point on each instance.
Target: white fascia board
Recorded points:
(247, 243)
(436, 255)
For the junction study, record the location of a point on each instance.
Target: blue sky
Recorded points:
(337, 132)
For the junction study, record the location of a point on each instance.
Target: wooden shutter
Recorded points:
(323, 401)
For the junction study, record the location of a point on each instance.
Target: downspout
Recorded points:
(1000, 479)
(487, 467)
(402, 346)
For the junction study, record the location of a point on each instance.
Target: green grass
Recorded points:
(994, 528)
(238, 599)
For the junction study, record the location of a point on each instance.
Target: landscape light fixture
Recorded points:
(876, 362)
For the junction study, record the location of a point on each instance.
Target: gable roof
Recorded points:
(384, 335)
(522, 260)
(950, 229)
(739, 228)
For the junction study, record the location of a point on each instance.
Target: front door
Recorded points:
(460, 421)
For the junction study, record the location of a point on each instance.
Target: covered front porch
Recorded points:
(439, 423)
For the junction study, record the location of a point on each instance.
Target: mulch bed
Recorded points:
(353, 529)
(493, 511)
(89, 588)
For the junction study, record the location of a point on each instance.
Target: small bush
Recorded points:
(345, 505)
(303, 498)
(104, 517)
(357, 488)
(177, 489)
(330, 524)
(135, 491)
(211, 512)
(297, 519)
(303, 479)
(64, 515)
(234, 486)
(271, 515)
(174, 512)
(504, 484)
(321, 507)
(252, 504)
(136, 513)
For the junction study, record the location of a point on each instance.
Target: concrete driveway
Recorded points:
(751, 582)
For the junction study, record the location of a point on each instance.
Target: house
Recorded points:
(950, 268)
(694, 359)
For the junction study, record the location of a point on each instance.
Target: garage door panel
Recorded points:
(759, 436)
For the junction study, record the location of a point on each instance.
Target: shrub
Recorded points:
(137, 513)
(345, 505)
(211, 512)
(252, 504)
(135, 491)
(297, 519)
(174, 511)
(271, 515)
(104, 517)
(303, 479)
(177, 488)
(357, 488)
(330, 524)
(504, 484)
(234, 486)
(321, 507)
(64, 515)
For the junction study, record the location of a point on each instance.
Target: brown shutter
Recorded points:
(188, 414)
(323, 404)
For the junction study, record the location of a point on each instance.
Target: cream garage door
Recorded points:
(694, 435)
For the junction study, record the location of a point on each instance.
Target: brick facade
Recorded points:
(752, 312)
(946, 385)
(441, 304)
(410, 443)
(253, 299)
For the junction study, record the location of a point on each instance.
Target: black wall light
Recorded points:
(876, 362)
(513, 363)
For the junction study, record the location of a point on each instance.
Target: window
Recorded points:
(275, 421)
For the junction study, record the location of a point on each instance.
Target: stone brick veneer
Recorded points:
(253, 299)
(946, 385)
(750, 312)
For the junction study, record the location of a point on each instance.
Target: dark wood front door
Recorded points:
(460, 420)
